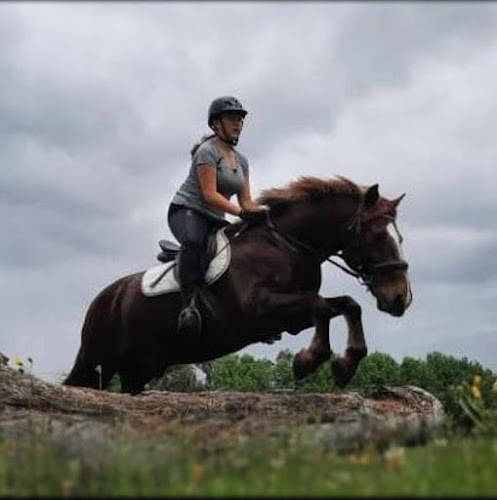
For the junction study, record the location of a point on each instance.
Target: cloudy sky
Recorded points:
(100, 103)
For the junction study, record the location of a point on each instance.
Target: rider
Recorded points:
(198, 208)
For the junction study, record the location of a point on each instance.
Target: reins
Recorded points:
(322, 257)
(355, 225)
(289, 241)
(293, 244)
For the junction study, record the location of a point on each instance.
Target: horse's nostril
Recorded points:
(399, 302)
(398, 305)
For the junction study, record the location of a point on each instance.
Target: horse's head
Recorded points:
(373, 250)
(371, 245)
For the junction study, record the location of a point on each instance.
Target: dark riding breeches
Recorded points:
(192, 230)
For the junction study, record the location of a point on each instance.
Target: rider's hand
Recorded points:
(253, 216)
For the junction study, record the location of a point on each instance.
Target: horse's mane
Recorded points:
(309, 188)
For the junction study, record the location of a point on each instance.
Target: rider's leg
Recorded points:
(192, 230)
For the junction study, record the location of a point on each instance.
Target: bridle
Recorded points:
(363, 272)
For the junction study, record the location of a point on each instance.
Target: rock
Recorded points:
(3, 359)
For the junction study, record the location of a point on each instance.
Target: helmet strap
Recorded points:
(232, 142)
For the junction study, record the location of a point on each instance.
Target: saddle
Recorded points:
(170, 250)
(162, 278)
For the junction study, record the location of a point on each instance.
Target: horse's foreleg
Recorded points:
(296, 312)
(300, 311)
(345, 367)
(309, 359)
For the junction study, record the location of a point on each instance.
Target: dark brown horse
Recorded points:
(271, 286)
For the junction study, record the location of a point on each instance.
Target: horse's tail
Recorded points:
(96, 360)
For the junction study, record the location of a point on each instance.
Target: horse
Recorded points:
(271, 286)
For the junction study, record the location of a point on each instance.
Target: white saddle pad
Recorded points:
(160, 279)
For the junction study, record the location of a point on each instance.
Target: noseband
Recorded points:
(367, 271)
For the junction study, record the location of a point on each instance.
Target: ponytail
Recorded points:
(199, 143)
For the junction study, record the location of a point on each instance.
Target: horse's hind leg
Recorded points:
(137, 370)
(82, 375)
(88, 374)
(131, 382)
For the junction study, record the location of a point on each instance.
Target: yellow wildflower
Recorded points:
(361, 459)
(477, 380)
(494, 387)
(18, 361)
(395, 458)
(66, 486)
(198, 473)
(475, 390)
(365, 459)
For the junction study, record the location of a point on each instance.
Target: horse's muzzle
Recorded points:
(395, 307)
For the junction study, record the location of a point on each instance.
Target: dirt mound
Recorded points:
(342, 421)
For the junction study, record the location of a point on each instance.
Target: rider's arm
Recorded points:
(208, 183)
(245, 198)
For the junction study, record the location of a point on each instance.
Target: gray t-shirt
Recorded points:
(229, 181)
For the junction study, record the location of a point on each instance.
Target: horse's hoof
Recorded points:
(341, 374)
(301, 365)
(189, 321)
(298, 371)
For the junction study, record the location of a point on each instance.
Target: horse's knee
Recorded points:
(352, 307)
(355, 354)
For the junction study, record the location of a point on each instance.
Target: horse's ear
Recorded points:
(398, 200)
(371, 196)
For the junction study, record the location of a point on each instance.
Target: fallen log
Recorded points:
(342, 421)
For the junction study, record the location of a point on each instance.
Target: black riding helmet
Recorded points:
(222, 105)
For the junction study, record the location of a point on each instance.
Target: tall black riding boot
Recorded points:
(189, 319)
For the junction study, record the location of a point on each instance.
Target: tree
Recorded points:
(241, 373)
(416, 372)
(376, 369)
(282, 376)
(320, 380)
(114, 384)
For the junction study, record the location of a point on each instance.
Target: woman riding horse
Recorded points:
(272, 285)
(198, 208)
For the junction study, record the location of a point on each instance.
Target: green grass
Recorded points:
(33, 466)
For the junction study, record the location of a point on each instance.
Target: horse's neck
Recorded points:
(320, 225)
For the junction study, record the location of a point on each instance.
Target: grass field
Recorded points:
(460, 466)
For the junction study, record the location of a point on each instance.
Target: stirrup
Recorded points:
(189, 320)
